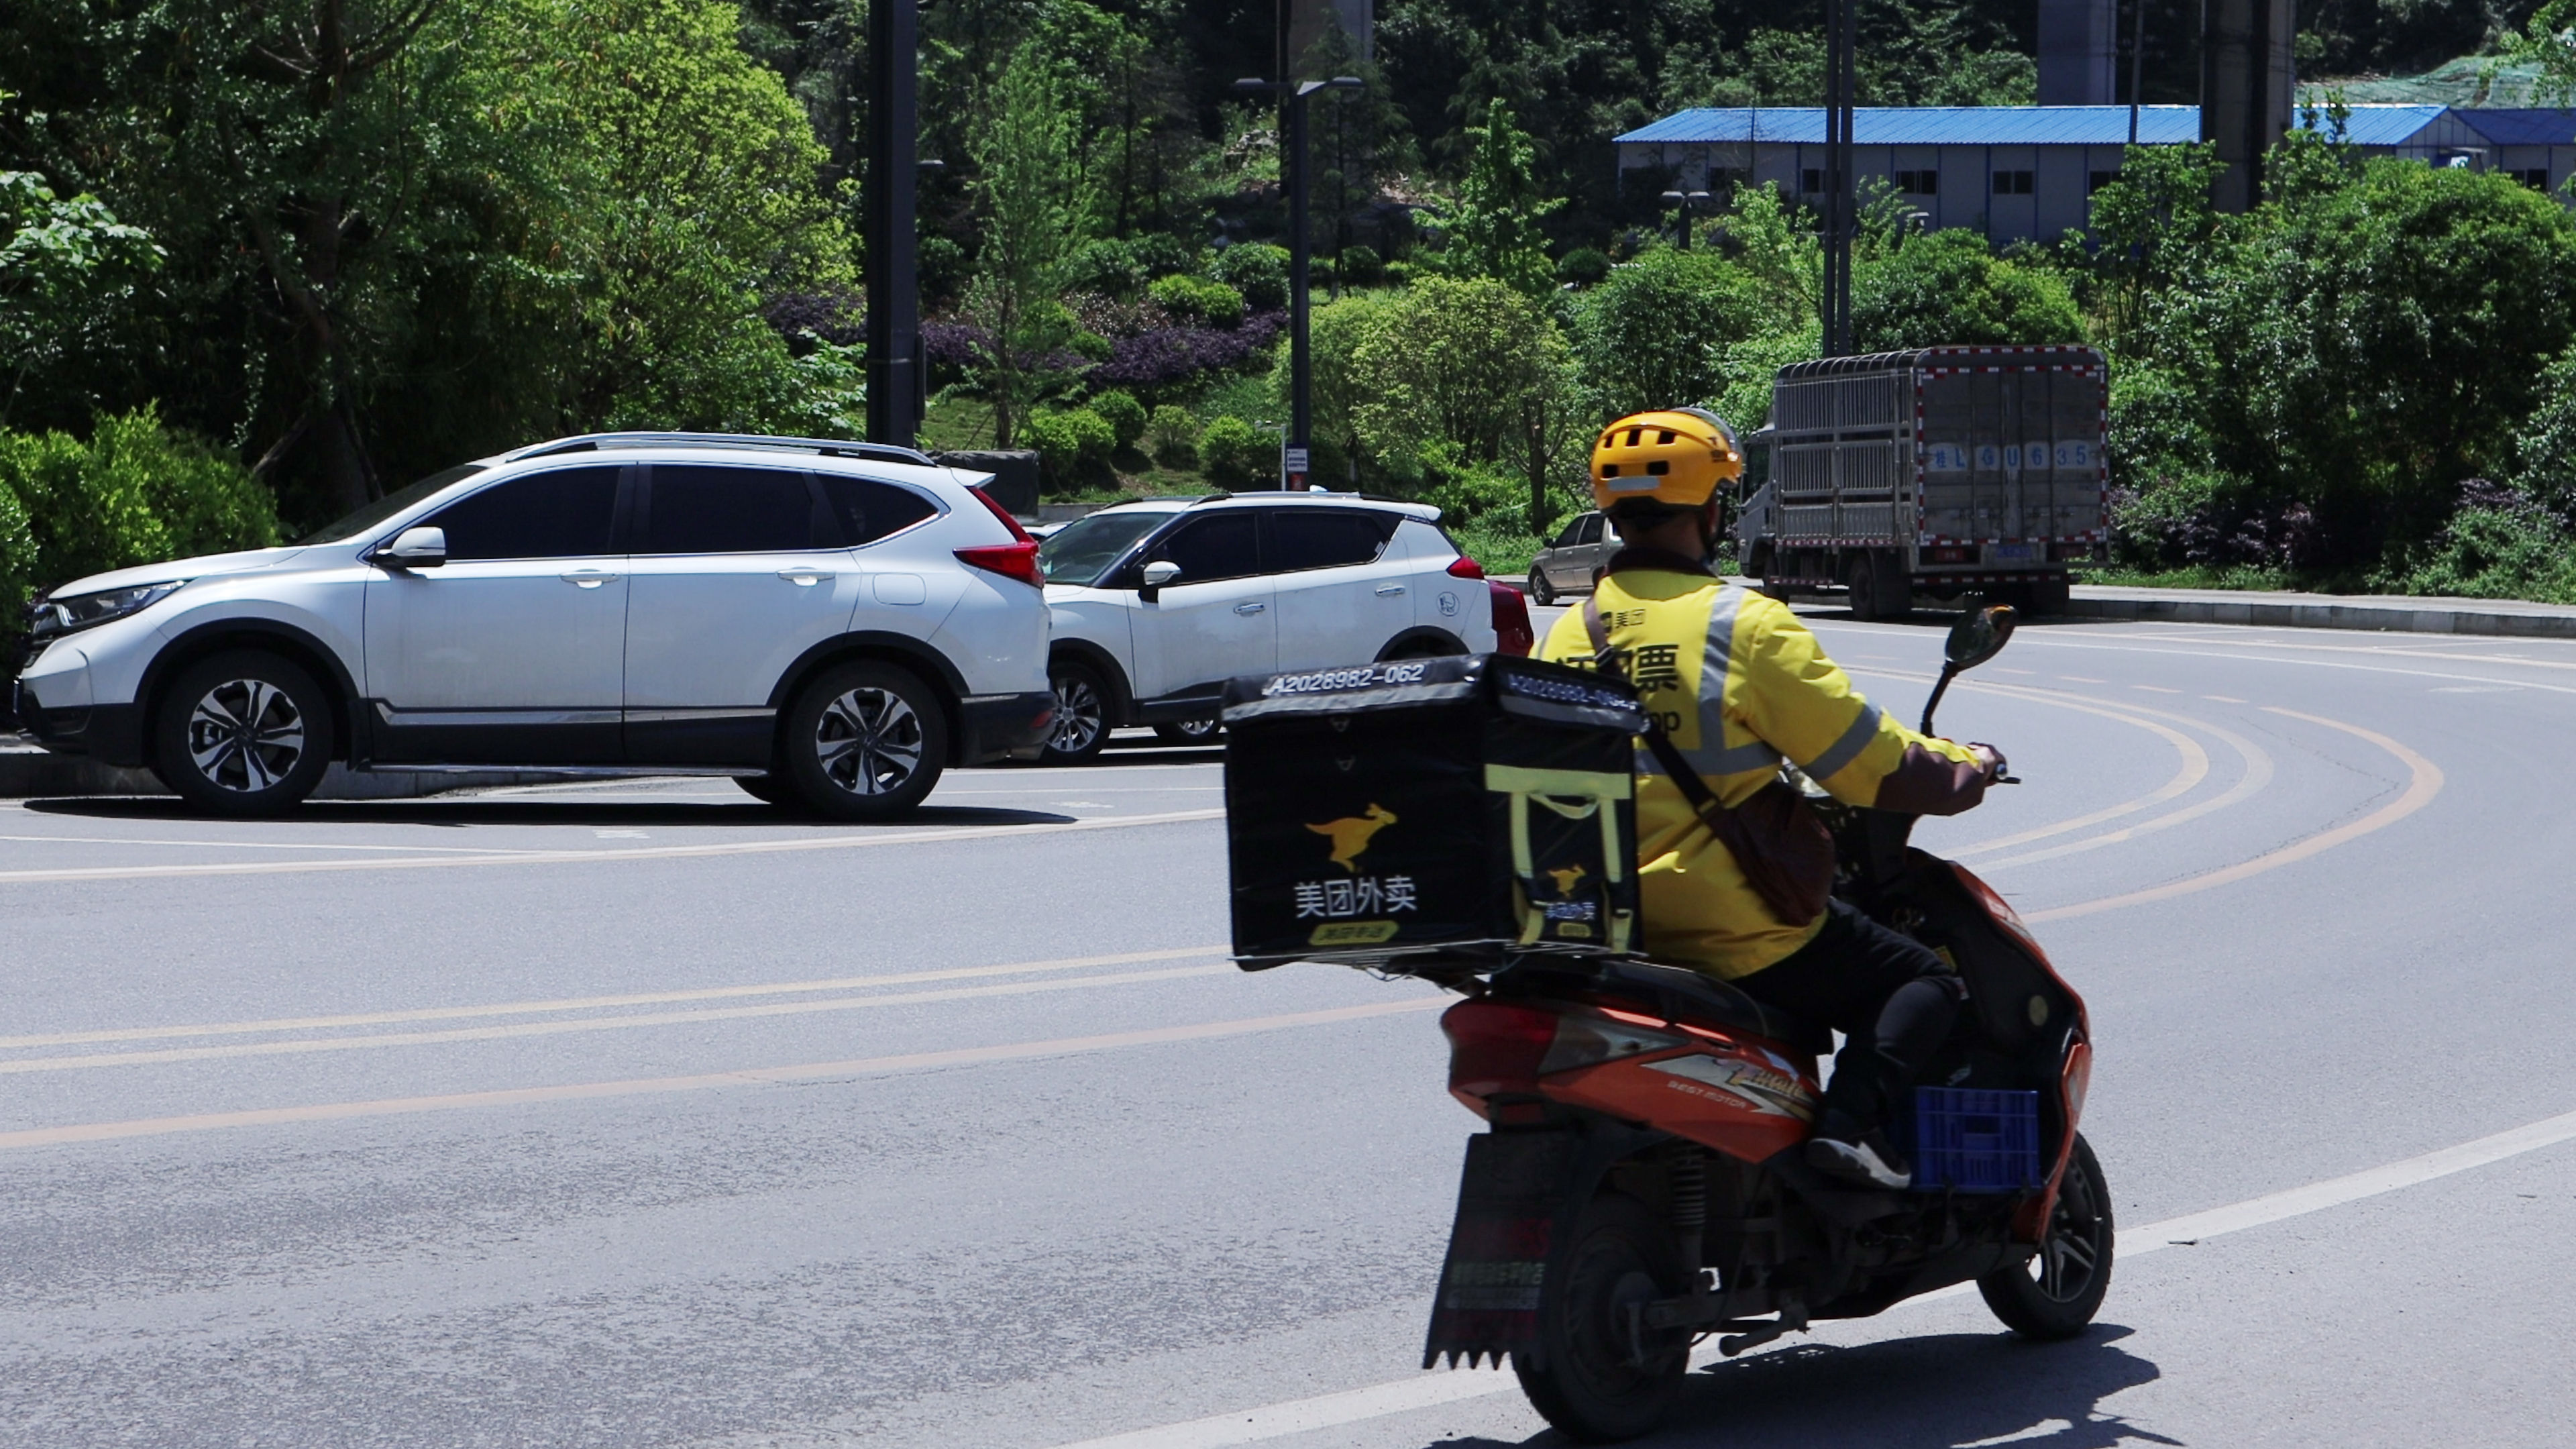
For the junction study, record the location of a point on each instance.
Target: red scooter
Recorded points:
(1643, 1185)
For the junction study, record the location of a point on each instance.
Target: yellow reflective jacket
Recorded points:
(1739, 683)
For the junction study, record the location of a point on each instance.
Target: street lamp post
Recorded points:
(1296, 452)
(894, 294)
(1688, 202)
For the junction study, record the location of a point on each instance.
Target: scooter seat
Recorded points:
(1680, 994)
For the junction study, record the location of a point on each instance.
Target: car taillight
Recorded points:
(1512, 631)
(1463, 567)
(1494, 1047)
(1010, 560)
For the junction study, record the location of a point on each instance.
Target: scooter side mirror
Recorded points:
(1979, 636)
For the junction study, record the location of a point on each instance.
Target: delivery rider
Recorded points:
(1740, 685)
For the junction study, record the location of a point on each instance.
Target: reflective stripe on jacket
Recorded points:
(1739, 684)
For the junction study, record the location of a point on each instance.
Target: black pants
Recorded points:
(1886, 992)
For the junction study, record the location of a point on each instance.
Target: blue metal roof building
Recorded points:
(2017, 172)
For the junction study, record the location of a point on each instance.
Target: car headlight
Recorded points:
(51, 616)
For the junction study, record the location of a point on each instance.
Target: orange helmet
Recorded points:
(1676, 457)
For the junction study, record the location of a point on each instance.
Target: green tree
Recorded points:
(1033, 200)
(1465, 373)
(1492, 230)
(64, 267)
(1949, 287)
(1653, 333)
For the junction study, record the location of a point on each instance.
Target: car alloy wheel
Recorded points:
(244, 732)
(1078, 718)
(245, 735)
(869, 741)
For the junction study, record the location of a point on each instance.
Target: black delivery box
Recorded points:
(1431, 811)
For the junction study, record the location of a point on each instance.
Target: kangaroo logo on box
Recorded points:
(1351, 834)
(1566, 878)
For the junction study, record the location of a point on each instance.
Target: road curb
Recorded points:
(2362, 613)
(2396, 617)
(26, 771)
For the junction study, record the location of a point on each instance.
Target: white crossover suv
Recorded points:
(1158, 603)
(830, 623)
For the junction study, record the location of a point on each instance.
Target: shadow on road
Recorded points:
(1944, 1392)
(556, 811)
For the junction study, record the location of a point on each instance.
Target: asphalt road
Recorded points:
(634, 1114)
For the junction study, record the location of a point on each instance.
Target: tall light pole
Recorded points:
(1686, 202)
(1841, 37)
(1297, 450)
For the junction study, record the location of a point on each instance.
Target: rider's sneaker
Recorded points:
(1864, 1161)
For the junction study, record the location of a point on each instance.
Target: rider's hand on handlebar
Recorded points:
(1993, 759)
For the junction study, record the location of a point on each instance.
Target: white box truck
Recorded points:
(1930, 474)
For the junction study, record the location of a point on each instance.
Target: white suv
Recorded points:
(1158, 603)
(836, 622)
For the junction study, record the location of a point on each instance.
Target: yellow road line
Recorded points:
(594, 857)
(2423, 783)
(593, 1003)
(812, 1071)
(306, 1046)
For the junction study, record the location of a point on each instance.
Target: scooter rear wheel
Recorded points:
(2057, 1293)
(1600, 1376)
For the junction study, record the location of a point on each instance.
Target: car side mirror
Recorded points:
(1157, 574)
(415, 548)
(1979, 636)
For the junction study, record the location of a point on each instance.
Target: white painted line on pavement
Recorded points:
(266, 845)
(306, 1046)
(592, 1003)
(1433, 1389)
(915, 836)
(808, 1072)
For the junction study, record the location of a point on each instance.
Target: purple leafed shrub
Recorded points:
(835, 319)
(959, 345)
(1167, 356)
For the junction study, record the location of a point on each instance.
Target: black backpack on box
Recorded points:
(1431, 813)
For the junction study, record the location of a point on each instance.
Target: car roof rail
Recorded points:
(827, 447)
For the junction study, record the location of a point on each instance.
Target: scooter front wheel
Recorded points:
(2057, 1293)
(1599, 1374)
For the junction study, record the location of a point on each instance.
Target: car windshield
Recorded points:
(392, 503)
(1083, 550)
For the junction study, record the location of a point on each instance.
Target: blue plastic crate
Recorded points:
(1974, 1141)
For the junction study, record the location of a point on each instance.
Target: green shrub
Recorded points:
(1126, 416)
(1235, 454)
(1361, 267)
(1070, 444)
(1173, 435)
(1107, 266)
(2501, 544)
(1583, 266)
(134, 493)
(1256, 270)
(1399, 274)
(1196, 299)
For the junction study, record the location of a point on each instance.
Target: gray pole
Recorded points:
(895, 381)
(2137, 59)
(1301, 362)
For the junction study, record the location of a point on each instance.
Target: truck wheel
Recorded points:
(1599, 1376)
(1861, 578)
(242, 733)
(1895, 591)
(2049, 596)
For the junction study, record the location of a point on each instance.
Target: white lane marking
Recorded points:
(2255, 777)
(2423, 783)
(309, 1045)
(909, 836)
(1099, 790)
(621, 835)
(807, 1072)
(2082, 679)
(2294, 659)
(594, 1003)
(1431, 1390)
(2223, 698)
(2475, 689)
(2155, 689)
(266, 845)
